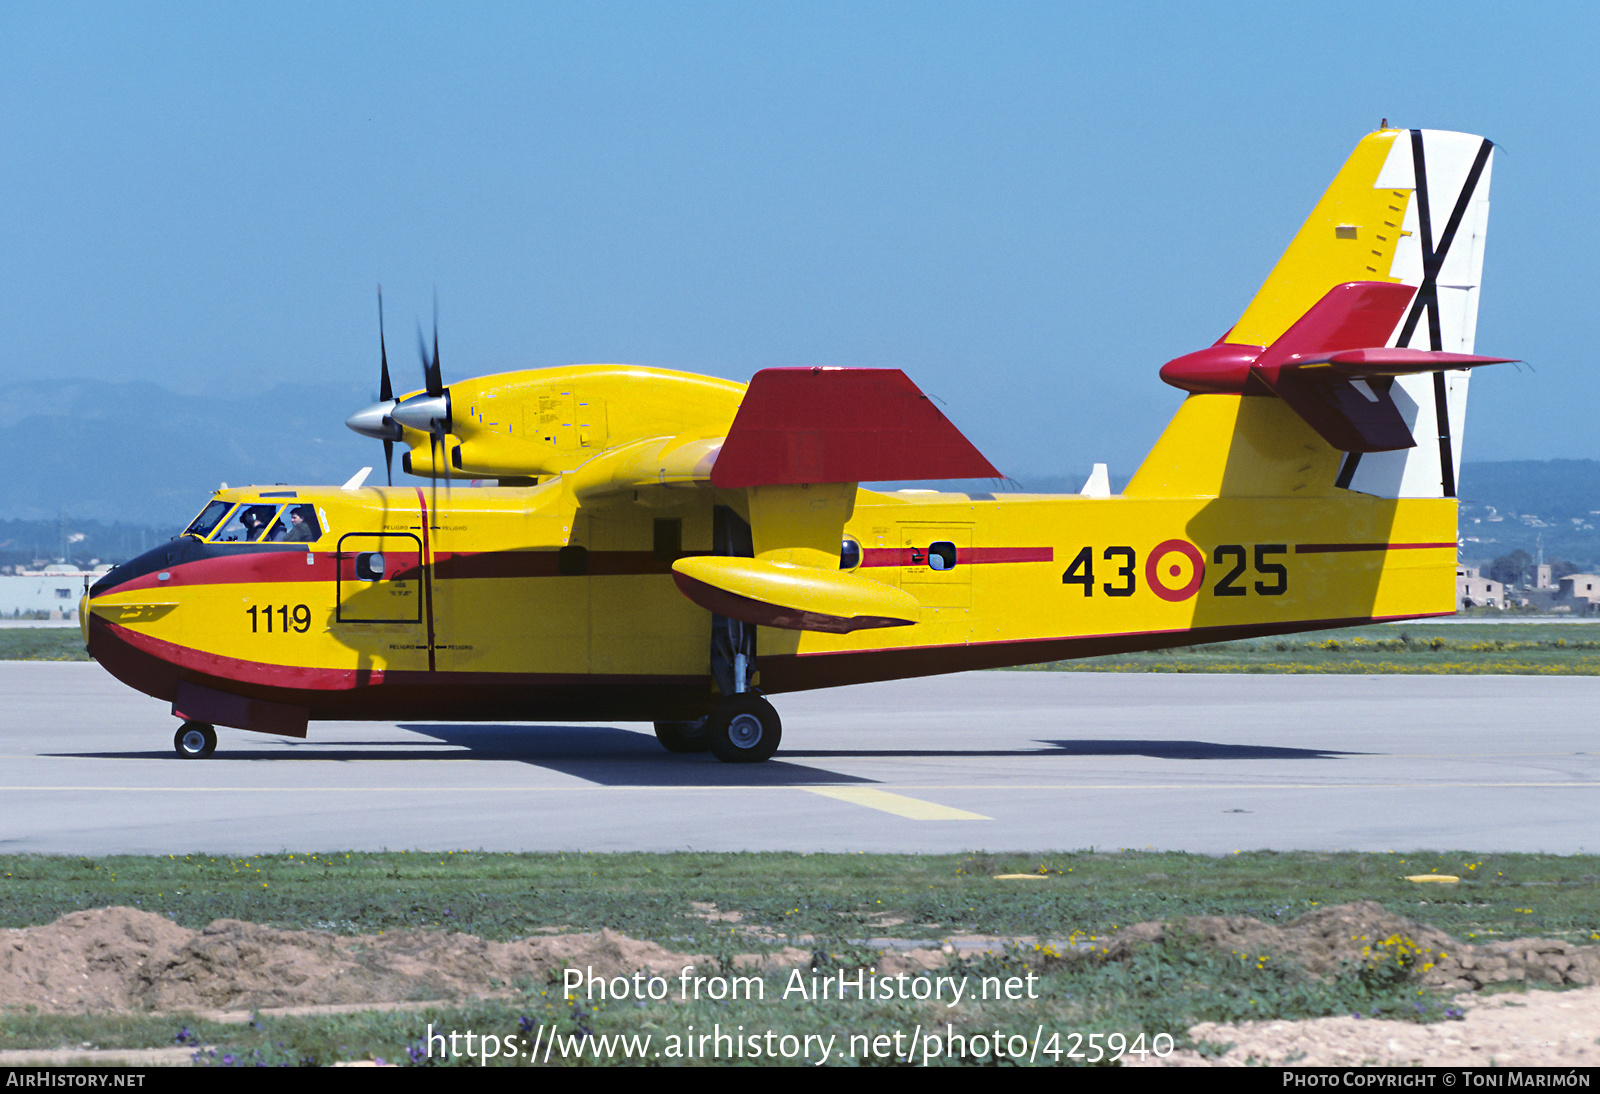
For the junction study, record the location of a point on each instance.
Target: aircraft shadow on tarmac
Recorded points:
(1160, 750)
(605, 755)
(1195, 750)
(593, 753)
(610, 756)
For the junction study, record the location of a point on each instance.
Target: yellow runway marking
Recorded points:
(898, 804)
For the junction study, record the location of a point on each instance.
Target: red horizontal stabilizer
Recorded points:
(1354, 315)
(803, 425)
(1351, 317)
(1330, 367)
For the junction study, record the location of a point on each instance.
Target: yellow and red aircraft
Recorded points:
(673, 548)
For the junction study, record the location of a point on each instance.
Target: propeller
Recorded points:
(376, 421)
(385, 390)
(429, 412)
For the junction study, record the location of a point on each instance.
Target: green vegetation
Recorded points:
(830, 897)
(1500, 649)
(832, 905)
(1144, 1005)
(42, 644)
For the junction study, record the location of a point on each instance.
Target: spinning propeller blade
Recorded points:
(385, 389)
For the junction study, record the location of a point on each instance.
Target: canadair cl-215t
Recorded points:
(675, 548)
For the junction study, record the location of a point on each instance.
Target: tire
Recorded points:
(195, 740)
(744, 729)
(684, 736)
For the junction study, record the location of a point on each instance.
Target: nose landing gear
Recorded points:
(195, 740)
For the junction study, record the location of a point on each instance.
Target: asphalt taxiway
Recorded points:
(989, 760)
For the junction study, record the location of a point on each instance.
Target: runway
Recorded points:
(978, 761)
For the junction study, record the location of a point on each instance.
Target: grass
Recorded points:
(832, 897)
(1503, 649)
(42, 644)
(830, 904)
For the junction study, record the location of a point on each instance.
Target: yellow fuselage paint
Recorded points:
(477, 585)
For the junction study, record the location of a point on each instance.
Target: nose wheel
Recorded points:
(744, 729)
(195, 740)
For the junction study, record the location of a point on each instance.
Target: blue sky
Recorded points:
(1028, 207)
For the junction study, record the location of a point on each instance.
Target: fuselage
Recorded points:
(520, 604)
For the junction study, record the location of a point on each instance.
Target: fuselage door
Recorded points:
(380, 578)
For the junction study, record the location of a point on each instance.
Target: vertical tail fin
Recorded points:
(1447, 221)
(1409, 209)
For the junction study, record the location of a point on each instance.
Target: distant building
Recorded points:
(50, 593)
(1473, 590)
(1580, 591)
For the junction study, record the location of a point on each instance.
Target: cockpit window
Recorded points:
(248, 524)
(297, 524)
(208, 519)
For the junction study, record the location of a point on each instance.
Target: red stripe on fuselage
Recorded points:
(1340, 548)
(461, 565)
(965, 556)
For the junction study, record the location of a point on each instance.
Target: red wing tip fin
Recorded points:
(813, 425)
(1396, 361)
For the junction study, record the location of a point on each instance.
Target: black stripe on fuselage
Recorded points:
(179, 551)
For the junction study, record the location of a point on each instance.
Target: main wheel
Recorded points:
(195, 740)
(684, 736)
(744, 729)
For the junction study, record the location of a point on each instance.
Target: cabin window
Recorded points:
(572, 561)
(296, 524)
(849, 554)
(369, 566)
(209, 518)
(668, 539)
(942, 555)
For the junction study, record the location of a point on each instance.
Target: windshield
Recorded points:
(209, 518)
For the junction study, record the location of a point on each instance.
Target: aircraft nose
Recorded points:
(375, 421)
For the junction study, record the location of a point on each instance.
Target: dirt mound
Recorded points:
(84, 960)
(121, 959)
(1526, 1029)
(1350, 935)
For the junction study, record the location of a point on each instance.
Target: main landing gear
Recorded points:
(195, 740)
(742, 729)
(684, 736)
